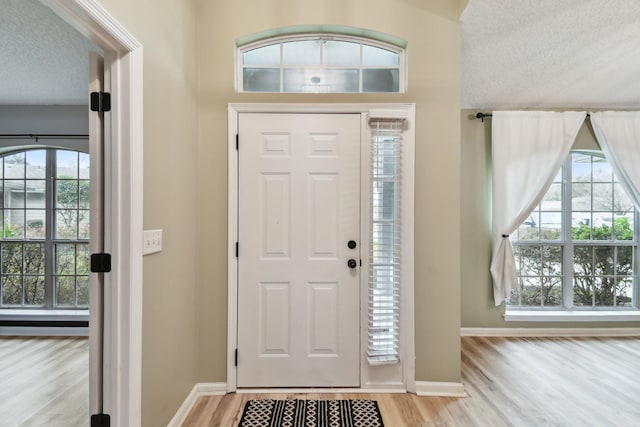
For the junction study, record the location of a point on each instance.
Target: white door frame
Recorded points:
(123, 206)
(370, 380)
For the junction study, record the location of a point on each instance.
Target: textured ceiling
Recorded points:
(43, 60)
(551, 54)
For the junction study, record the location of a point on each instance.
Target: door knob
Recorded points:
(352, 244)
(352, 263)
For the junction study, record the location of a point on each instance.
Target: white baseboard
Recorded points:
(550, 332)
(198, 390)
(443, 389)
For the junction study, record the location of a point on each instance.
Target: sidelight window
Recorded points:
(385, 234)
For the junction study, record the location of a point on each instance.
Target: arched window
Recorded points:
(44, 242)
(321, 63)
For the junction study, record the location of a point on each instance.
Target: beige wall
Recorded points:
(478, 309)
(433, 36)
(167, 31)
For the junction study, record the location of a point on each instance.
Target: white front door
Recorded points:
(299, 208)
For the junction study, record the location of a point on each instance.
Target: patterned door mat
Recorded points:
(311, 413)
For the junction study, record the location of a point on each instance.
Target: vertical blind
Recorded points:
(384, 262)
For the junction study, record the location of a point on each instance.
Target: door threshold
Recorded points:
(319, 390)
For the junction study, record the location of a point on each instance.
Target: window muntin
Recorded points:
(44, 244)
(320, 64)
(592, 263)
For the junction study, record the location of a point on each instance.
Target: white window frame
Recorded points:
(240, 50)
(399, 377)
(568, 312)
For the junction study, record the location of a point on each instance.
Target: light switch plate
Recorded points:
(152, 242)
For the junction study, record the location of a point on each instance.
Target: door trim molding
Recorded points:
(123, 205)
(407, 303)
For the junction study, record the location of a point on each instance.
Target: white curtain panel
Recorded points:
(528, 149)
(618, 133)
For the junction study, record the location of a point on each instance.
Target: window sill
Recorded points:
(571, 316)
(44, 315)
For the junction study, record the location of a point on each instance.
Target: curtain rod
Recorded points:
(43, 136)
(482, 116)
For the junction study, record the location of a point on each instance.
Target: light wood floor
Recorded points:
(44, 382)
(510, 382)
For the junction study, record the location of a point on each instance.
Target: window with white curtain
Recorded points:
(320, 63)
(385, 234)
(578, 249)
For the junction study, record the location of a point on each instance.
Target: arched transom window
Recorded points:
(321, 63)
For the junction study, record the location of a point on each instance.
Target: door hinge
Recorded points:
(237, 141)
(100, 101)
(100, 420)
(236, 361)
(237, 249)
(100, 263)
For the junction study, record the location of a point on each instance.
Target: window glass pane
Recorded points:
(381, 80)
(321, 81)
(84, 194)
(602, 226)
(34, 257)
(14, 194)
(530, 260)
(340, 53)
(267, 55)
(602, 197)
(65, 290)
(531, 291)
(14, 166)
(35, 193)
(603, 290)
(581, 225)
(623, 226)
(621, 201)
(552, 261)
(550, 225)
(83, 224)
(581, 167)
(529, 230)
(624, 292)
(11, 290)
(67, 194)
(603, 260)
(11, 258)
(582, 291)
(36, 164)
(36, 222)
(261, 80)
(84, 163)
(82, 259)
(66, 164)
(581, 197)
(34, 291)
(624, 261)
(552, 200)
(14, 223)
(305, 52)
(602, 171)
(82, 291)
(375, 56)
(65, 259)
(66, 224)
(552, 292)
